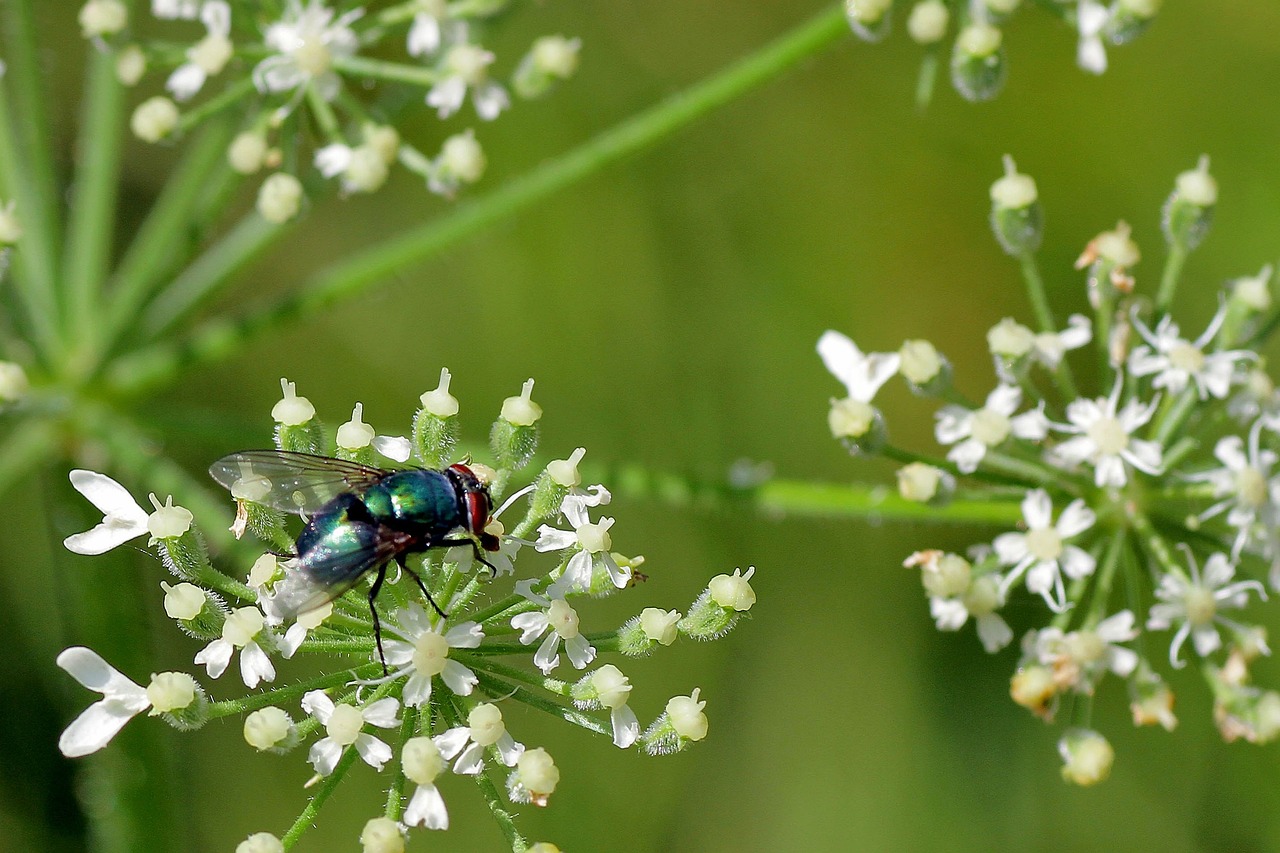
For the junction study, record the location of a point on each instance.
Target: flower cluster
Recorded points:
(978, 64)
(311, 84)
(429, 697)
(1159, 485)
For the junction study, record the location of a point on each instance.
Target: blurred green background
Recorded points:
(668, 308)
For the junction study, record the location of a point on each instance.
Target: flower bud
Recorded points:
(977, 62)
(168, 521)
(716, 611)
(421, 760)
(100, 18)
(1253, 292)
(270, 729)
(154, 119)
(260, 842)
(13, 382)
(131, 65)
(176, 698)
(659, 625)
(355, 434)
(247, 152)
(1016, 217)
(927, 23)
(1033, 687)
(485, 722)
(537, 774)
(1086, 757)
(945, 575)
(998, 11)
(435, 425)
(869, 19)
(461, 161)
(858, 425)
(550, 59)
(685, 714)
(296, 428)
(928, 373)
(1189, 209)
(280, 198)
(514, 436)
(382, 835)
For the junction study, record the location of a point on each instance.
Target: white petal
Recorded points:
(1076, 450)
(1144, 455)
(107, 495)
(1092, 55)
(292, 640)
(626, 727)
(459, 678)
(447, 96)
(1004, 399)
(324, 755)
(397, 653)
(381, 713)
(1218, 570)
(953, 424)
(1037, 509)
(1032, 425)
(103, 538)
(417, 691)
(87, 667)
(1075, 519)
(967, 455)
(464, 635)
(551, 539)
(216, 657)
(333, 160)
(1076, 562)
(426, 808)
(451, 742)
(581, 653)
(509, 750)
(424, 36)
(318, 704)
(1084, 413)
(1010, 548)
(1109, 472)
(547, 657)
(255, 666)
(1206, 640)
(490, 100)
(1230, 452)
(1079, 332)
(620, 576)
(95, 727)
(1122, 661)
(994, 632)
(842, 357)
(374, 752)
(1118, 628)
(949, 614)
(185, 81)
(1041, 576)
(395, 447)
(470, 762)
(530, 625)
(216, 17)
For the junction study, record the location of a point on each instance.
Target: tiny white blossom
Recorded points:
(484, 729)
(592, 541)
(559, 622)
(1049, 347)
(422, 652)
(1244, 484)
(1195, 602)
(1103, 438)
(1079, 658)
(955, 594)
(425, 32)
(305, 42)
(466, 67)
(241, 630)
(1091, 19)
(1042, 553)
(975, 432)
(1177, 362)
(343, 724)
(861, 374)
(121, 701)
(208, 56)
(422, 763)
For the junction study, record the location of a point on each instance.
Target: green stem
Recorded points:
(1171, 419)
(380, 69)
(324, 114)
(163, 363)
(225, 99)
(91, 224)
(1106, 575)
(1156, 544)
(1173, 264)
(551, 685)
(326, 789)
(927, 78)
(496, 687)
(506, 820)
(1044, 316)
(395, 792)
(289, 693)
(159, 241)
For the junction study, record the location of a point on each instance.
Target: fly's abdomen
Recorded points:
(337, 542)
(420, 500)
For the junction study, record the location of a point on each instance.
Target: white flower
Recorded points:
(121, 701)
(206, 57)
(1177, 361)
(484, 728)
(1080, 658)
(304, 624)
(1104, 438)
(1091, 18)
(975, 432)
(1049, 347)
(862, 374)
(466, 66)
(561, 620)
(461, 161)
(423, 653)
(422, 763)
(241, 630)
(590, 538)
(343, 724)
(172, 10)
(1195, 602)
(424, 32)
(122, 519)
(1243, 482)
(305, 42)
(613, 690)
(1042, 553)
(955, 595)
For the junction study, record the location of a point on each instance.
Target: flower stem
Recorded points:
(380, 69)
(395, 792)
(1044, 316)
(163, 363)
(93, 199)
(496, 687)
(551, 685)
(327, 787)
(1173, 264)
(506, 820)
(288, 693)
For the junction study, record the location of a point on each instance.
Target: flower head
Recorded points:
(344, 726)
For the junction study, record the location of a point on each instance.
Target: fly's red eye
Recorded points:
(477, 512)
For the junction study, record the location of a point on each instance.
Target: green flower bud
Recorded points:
(1188, 212)
(514, 436)
(977, 62)
(1016, 217)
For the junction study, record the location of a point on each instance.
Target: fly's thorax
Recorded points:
(474, 503)
(419, 500)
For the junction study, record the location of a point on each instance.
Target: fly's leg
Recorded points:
(373, 611)
(475, 549)
(411, 573)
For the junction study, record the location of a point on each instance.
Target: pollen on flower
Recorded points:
(537, 773)
(850, 418)
(919, 362)
(243, 625)
(485, 722)
(263, 570)
(421, 760)
(612, 688)
(1010, 339)
(344, 724)
(660, 625)
(919, 481)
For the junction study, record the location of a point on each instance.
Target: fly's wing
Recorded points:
(291, 482)
(326, 573)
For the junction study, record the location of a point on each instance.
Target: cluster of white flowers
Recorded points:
(437, 683)
(977, 52)
(1158, 487)
(304, 84)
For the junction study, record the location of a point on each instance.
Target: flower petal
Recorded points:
(626, 727)
(374, 752)
(426, 808)
(95, 727)
(324, 755)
